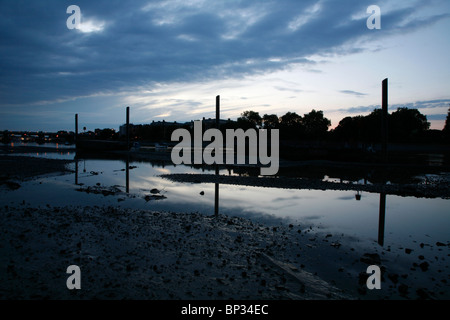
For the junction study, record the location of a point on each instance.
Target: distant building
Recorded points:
(210, 123)
(133, 130)
(164, 123)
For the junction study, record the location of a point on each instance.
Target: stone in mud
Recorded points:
(107, 193)
(424, 266)
(154, 197)
(12, 185)
(335, 244)
(393, 277)
(371, 258)
(403, 289)
(423, 294)
(362, 278)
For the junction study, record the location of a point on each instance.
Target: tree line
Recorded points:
(403, 125)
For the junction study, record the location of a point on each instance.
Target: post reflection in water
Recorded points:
(127, 176)
(76, 171)
(216, 200)
(381, 215)
(216, 194)
(381, 218)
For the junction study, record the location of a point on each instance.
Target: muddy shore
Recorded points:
(139, 254)
(130, 254)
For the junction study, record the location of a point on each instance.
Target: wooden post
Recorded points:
(76, 128)
(217, 122)
(384, 118)
(216, 200)
(384, 133)
(217, 112)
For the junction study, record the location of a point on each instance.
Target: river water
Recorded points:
(104, 182)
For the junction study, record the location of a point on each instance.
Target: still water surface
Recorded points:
(407, 220)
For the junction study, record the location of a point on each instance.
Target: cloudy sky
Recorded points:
(169, 59)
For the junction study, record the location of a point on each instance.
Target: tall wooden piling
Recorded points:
(384, 118)
(216, 200)
(217, 112)
(217, 122)
(76, 127)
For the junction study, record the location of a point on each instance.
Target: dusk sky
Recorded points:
(168, 60)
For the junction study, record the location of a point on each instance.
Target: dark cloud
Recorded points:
(353, 93)
(145, 42)
(359, 110)
(427, 104)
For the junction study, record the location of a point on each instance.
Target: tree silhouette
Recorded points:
(407, 124)
(249, 119)
(271, 121)
(291, 126)
(290, 119)
(372, 126)
(404, 125)
(446, 130)
(315, 124)
(350, 128)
